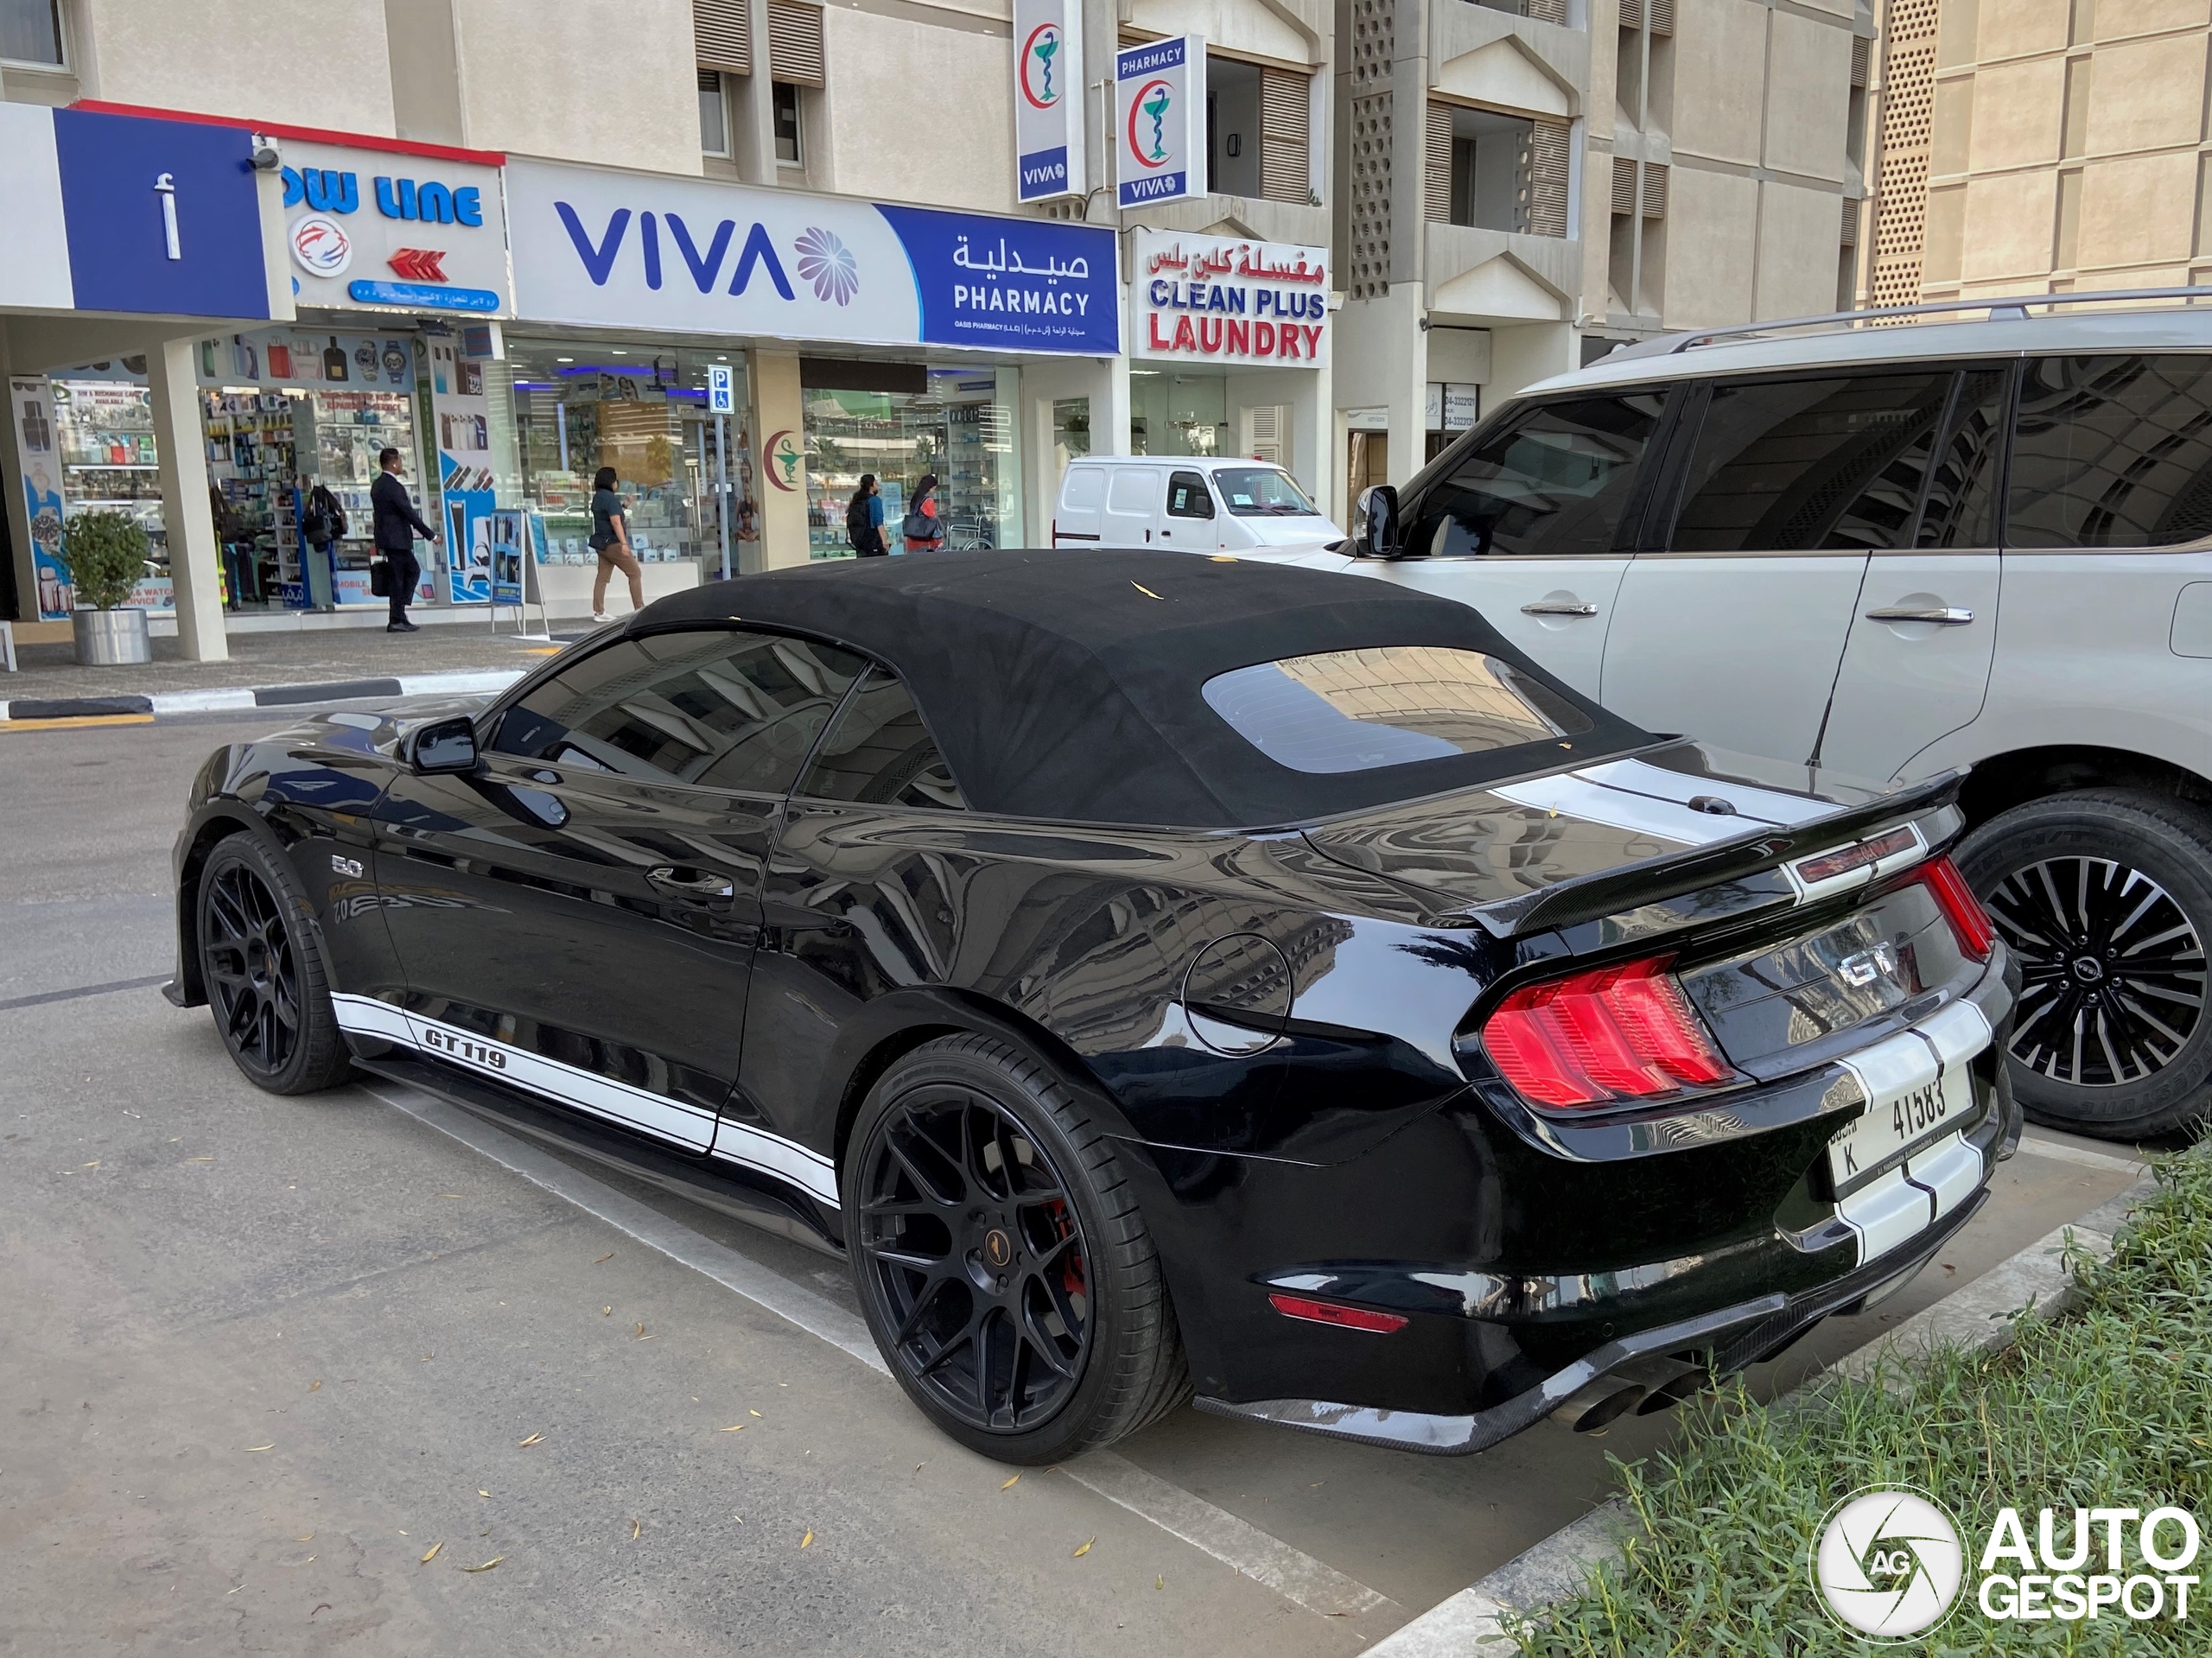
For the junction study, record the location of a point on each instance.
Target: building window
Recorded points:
(30, 32)
(786, 116)
(714, 114)
(1491, 158)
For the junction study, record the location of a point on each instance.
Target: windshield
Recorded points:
(1262, 492)
(1388, 705)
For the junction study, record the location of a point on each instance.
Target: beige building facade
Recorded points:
(1525, 183)
(2030, 146)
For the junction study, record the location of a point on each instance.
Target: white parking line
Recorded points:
(1292, 1574)
(2059, 1151)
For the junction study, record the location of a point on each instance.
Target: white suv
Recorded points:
(1887, 552)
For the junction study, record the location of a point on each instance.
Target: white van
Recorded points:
(1186, 504)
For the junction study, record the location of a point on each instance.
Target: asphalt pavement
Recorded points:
(259, 1357)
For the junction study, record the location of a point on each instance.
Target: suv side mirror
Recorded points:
(442, 746)
(1375, 530)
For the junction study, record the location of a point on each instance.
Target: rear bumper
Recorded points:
(1723, 1341)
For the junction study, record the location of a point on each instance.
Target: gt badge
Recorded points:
(345, 866)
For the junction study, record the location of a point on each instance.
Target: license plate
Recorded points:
(1895, 1123)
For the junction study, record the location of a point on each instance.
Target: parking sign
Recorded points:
(721, 396)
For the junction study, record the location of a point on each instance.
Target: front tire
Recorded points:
(2106, 897)
(266, 983)
(1003, 1266)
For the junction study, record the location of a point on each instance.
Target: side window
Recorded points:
(1086, 489)
(2112, 452)
(1557, 482)
(878, 752)
(715, 708)
(1961, 509)
(1188, 497)
(1798, 465)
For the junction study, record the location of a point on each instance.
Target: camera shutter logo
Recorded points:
(321, 244)
(1888, 1563)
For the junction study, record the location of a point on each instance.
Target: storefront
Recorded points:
(1229, 347)
(903, 342)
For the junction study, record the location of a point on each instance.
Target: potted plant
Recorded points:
(106, 553)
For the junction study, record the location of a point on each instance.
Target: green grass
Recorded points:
(2110, 1406)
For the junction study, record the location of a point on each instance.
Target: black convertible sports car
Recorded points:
(1156, 975)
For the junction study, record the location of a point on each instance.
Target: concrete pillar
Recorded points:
(1523, 356)
(1045, 381)
(751, 113)
(14, 503)
(195, 562)
(779, 455)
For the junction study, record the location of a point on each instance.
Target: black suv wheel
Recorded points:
(2106, 897)
(1005, 1270)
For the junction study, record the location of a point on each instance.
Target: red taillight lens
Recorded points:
(1969, 921)
(1328, 1312)
(1611, 1035)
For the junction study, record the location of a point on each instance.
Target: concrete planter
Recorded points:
(109, 637)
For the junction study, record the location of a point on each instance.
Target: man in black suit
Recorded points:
(396, 526)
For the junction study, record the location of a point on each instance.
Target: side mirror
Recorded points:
(442, 746)
(1375, 527)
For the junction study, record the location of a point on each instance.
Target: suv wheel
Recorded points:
(1005, 1270)
(2106, 897)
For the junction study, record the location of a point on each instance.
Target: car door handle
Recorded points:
(691, 883)
(1940, 615)
(1559, 607)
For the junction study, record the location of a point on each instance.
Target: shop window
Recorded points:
(785, 119)
(904, 421)
(1178, 414)
(30, 32)
(714, 114)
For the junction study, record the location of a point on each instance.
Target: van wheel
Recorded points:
(2106, 897)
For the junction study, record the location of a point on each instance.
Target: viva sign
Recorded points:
(1048, 98)
(596, 247)
(1160, 102)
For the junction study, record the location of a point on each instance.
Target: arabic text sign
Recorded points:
(1223, 299)
(1160, 125)
(625, 250)
(1047, 99)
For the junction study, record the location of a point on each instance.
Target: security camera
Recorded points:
(266, 157)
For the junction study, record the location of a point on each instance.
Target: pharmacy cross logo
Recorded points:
(1153, 101)
(829, 265)
(784, 459)
(1037, 54)
(1888, 1563)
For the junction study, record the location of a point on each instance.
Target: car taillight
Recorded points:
(1331, 1312)
(1969, 921)
(1611, 1036)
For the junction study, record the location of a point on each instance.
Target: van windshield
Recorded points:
(1261, 493)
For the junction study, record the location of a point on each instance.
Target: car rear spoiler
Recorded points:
(1739, 863)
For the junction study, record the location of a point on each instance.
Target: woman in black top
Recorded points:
(610, 539)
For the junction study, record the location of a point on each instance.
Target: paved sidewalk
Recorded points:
(50, 672)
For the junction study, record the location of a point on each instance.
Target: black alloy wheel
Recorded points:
(265, 987)
(2106, 899)
(1001, 1259)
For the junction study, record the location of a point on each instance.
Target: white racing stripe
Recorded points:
(1291, 1573)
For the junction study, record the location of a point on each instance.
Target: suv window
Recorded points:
(1797, 465)
(878, 752)
(2112, 452)
(1556, 482)
(1187, 495)
(1961, 509)
(714, 708)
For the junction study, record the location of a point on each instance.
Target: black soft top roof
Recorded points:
(1066, 685)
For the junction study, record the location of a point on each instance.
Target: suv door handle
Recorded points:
(1942, 616)
(1559, 607)
(691, 883)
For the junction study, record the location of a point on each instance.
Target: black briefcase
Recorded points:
(380, 577)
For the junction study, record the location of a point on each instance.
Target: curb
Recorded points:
(1979, 1315)
(457, 684)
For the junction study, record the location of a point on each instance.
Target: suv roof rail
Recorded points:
(2012, 309)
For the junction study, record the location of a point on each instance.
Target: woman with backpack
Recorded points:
(923, 527)
(864, 519)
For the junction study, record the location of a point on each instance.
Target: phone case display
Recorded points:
(31, 421)
(339, 435)
(252, 459)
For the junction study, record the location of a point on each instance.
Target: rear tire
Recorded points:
(264, 977)
(1003, 1266)
(2106, 897)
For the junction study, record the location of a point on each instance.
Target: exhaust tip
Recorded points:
(1666, 1397)
(1608, 1407)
